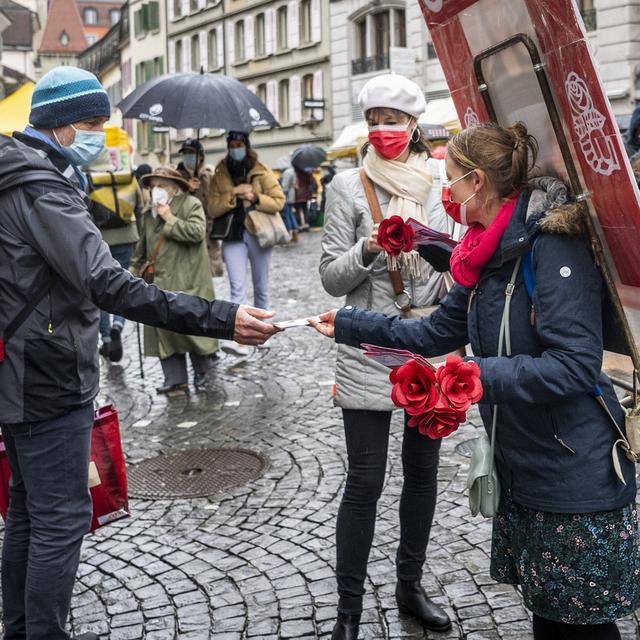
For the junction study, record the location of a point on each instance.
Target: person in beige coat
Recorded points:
(174, 238)
(240, 183)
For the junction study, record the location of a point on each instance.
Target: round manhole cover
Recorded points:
(466, 448)
(194, 474)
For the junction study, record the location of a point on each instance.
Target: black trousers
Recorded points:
(367, 438)
(49, 514)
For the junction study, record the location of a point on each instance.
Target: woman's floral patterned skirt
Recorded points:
(572, 568)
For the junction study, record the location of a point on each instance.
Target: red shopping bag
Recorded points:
(107, 471)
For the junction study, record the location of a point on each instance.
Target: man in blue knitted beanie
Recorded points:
(55, 275)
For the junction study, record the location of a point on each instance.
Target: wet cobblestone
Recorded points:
(257, 562)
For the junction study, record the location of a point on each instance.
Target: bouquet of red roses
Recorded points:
(436, 400)
(396, 238)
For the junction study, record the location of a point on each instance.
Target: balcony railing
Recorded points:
(367, 65)
(590, 19)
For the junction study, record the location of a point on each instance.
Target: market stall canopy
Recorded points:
(440, 112)
(15, 109)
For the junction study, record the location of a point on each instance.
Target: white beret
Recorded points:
(393, 91)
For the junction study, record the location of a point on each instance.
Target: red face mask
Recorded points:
(389, 140)
(456, 210)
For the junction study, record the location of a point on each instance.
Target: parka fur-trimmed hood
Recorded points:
(550, 208)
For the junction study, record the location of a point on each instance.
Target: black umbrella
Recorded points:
(195, 101)
(308, 156)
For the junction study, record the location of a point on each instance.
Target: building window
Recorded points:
(588, 11)
(147, 18)
(283, 101)
(64, 39)
(90, 16)
(91, 39)
(431, 51)
(261, 92)
(195, 53)
(305, 21)
(307, 94)
(193, 5)
(158, 66)
(114, 16)
(282, 28)
(239, 38)
(382, 33)
(179, 55)
(361, 39)
(399, 28)
(260, 35)
(177, 8)
(375, 33)
(214, 63)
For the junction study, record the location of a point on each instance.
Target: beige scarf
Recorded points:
(408, 183)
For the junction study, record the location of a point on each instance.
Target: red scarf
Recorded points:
(479, 244)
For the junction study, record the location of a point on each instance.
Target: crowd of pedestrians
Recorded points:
(72, 269)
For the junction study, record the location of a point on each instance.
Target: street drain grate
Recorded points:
(194, 474)
(466, 448)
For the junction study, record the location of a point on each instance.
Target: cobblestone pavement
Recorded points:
(257, 562)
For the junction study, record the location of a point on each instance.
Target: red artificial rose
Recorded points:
(395, 236)
(459, 382)
(441, 421)
(414, 388)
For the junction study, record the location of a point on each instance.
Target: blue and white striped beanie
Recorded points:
(66, 95)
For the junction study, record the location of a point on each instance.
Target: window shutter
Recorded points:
(252, 88)
(249, 39)
(186, 54)
(272, 97)
(220, 45)
(184, 7)
(318, 93)
(172, 56)
(295, 99)
(270, 31)
(231, 41)
(154, 15)
(316, 21)
(170, 14)
(204, 55)
(293, 26)
(202, 4)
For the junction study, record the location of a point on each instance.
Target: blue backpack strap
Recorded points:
(528, 272)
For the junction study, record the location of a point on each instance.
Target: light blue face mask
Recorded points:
(238, 154)
(85, 148)
(189, 161)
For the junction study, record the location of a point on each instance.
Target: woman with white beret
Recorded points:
(396, 173)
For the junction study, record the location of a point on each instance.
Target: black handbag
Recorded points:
(221, 227)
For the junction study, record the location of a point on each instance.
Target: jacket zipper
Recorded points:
(50, 323)
(555, 433)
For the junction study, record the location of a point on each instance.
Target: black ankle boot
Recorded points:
(412, 599)
(346, 627)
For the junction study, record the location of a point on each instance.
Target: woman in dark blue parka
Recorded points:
(567, 527)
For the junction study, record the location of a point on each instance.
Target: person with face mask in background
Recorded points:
(174, 232)
(55, 274)
(193, 169)
(353, 265)
(239, 183)
(299, 186)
